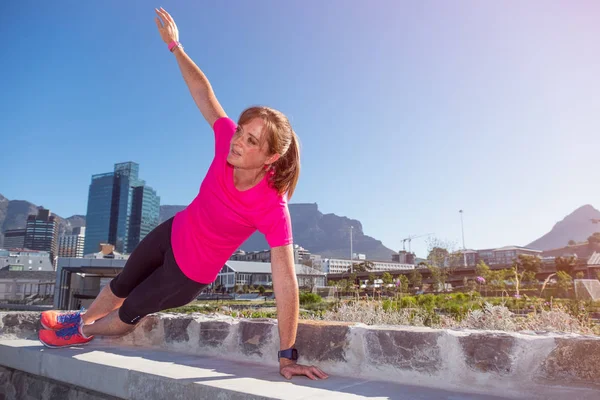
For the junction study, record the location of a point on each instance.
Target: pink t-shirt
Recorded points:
(221, 218)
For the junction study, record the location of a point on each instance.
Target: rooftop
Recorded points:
(257, 267)
(38, 275)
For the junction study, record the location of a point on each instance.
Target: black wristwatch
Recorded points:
(291, 354)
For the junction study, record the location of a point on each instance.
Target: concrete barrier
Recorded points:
(517, 365)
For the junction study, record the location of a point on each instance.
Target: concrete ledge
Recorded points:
(516, 365)
(141, 374)
(15, 384)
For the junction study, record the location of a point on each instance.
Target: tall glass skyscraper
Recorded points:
(144, 214)
(97, 220)
(41, 232)
(122, 209)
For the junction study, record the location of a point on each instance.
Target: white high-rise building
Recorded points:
(72, 245)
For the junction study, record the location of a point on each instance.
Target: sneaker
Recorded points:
(66, 337)
(56, 320)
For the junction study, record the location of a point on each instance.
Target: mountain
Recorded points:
(576, 226)
(324, 234)
(13, 215)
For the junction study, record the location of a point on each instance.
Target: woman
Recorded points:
(254, 171)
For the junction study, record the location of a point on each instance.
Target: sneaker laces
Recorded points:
(70, 318)
(68, 333)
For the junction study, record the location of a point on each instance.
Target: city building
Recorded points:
(25, 260)
(14, 239)
(79, 280)
(339, 265)
(300, 255)
(107, 251)
(121, 209)
(41, 232)
(500, 256)
(254, 273)
(403, 257)
(33, 287)
(72, 245)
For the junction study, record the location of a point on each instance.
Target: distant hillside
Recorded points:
(14, 213)
(576, 226)
(324, 234)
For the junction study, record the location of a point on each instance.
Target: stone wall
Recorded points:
(482, 361)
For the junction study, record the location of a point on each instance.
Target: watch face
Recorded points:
(294, 354)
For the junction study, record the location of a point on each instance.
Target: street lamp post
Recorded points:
(351, 252)
(462, 227)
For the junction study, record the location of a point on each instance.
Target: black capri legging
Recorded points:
(151, 280)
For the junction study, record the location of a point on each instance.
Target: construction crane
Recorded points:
(410, 238)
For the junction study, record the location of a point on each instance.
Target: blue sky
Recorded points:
(407, 111)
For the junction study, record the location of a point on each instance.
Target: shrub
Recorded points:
(426, 300)
(408, 302)
(309, 298)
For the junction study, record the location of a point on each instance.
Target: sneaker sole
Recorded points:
(66, 345)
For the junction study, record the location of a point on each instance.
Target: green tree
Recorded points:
(528, 263)
(372, 279)
(522, 264)
(482, 270)
(403, 286)
(529, 279)
(498, 278)
(352, 280)
(438, 257)
(415, 279)
(364, 266)
(387, 278)
(261, 289)
(594, 240)
(565, 264)
(438, 276)
(564, 282)
(579, 275)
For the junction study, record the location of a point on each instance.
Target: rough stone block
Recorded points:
(322, 341)
(253, 335)
(23, 325)
(214, 333)
(149, 324)
(5, 374)
(413, 350)
(35, 386)
(574, 360)
(58, 392)
(176, 329)
(488, 352)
